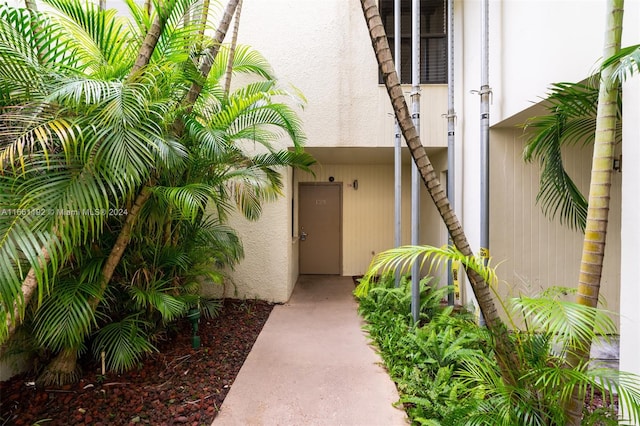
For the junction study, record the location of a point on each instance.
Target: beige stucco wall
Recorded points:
(323, 48)
(368, 212)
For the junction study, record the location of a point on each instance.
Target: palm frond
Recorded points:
(190, 199)
(66, 317)
(124, 343)
(246, 60)
(571, 323)
(100, 35)
(157, 295)
(570, 120)
(626, 63)
(401, 260)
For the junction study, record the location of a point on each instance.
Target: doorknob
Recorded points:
(303, 236)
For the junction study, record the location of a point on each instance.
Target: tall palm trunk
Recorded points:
(211, 52)
(232, 50)
(599, 194)
(505, 351)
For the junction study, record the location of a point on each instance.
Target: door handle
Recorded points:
(303, 236)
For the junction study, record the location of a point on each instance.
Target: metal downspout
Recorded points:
(397, 151)
(485, 93)
(451, 139)
(415, 175)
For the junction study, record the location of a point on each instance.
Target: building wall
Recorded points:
(629, 289)
(368, 212)
(524, 61)
(323, 48)
(533, 251)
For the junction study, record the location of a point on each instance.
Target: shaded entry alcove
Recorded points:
(320, 228)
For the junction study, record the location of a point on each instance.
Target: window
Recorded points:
(433, 38)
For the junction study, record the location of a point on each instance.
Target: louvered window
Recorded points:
(433, 39)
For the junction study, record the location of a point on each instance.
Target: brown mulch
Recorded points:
(178, 385)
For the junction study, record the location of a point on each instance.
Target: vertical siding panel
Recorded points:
(538, 252)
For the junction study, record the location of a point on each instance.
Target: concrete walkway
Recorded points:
(312, 365)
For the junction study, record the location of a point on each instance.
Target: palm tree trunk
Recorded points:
(232, 51)
(204, 18)
(505, 351)
(62, 370)
(211, 52)
(121, 244)
(599, 195)
(28, 289)
(149, 43)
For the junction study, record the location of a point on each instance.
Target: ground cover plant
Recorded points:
(445, 367)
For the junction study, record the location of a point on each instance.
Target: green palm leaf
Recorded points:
(66, 317)
(570, 120)
(626, 63)
(401, 260)
(157, 295)
(100, 35)
(246, 60)
(124, 342)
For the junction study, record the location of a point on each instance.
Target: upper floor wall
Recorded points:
(323, 48)
(532, 43)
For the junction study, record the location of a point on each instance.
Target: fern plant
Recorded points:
(446, 372)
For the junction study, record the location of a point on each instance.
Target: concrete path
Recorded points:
(312, 365)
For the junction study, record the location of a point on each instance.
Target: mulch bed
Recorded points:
(178, 385)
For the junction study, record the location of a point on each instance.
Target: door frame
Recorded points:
(339, 185)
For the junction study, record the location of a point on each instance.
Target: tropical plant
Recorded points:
(426, 359)
(110, 140)
(553, 329)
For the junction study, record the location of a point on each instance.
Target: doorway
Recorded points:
(320, 228)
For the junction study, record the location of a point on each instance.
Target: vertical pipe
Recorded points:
(415, 175)
(397, 151)
(485, 92)
(451, 134)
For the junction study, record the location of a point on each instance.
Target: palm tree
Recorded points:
(599, 194)
(119, 135)
(509, 364)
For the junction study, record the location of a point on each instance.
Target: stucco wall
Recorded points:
(323, 48)
(368, 212)
(264, 272)
(630, 271)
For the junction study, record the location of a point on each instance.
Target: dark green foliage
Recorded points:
(425, 361)
(445, 371)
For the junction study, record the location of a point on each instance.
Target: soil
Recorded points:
(177, 385)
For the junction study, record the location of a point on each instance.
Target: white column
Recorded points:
(630, 250)
(630, 262)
